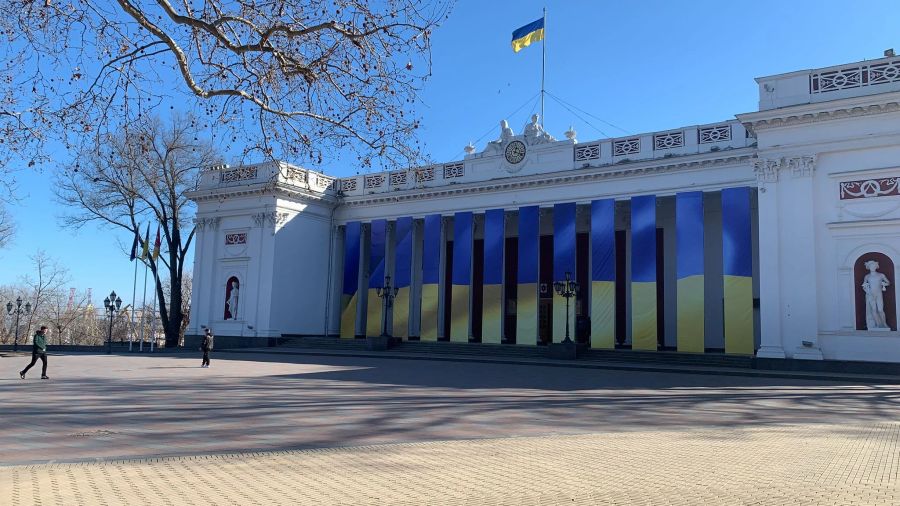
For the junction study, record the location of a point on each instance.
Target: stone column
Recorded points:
(767, 171)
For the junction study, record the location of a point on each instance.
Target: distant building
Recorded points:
(746, 236)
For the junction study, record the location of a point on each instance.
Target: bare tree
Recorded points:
(63, 309)
(137, 178)
(294, 79)
(48, 278)
(7, 227)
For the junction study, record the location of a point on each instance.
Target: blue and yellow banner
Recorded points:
(563, 262)
(402, 276)
(527, 274)
(492, 302)
(643, 273)
(690, 302)
(603, 273)
(349, 296)
(431, 277)
(377, 244)
(461, 277)
(532, 32)
(737, 267)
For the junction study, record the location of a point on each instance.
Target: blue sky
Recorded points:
(640, 66)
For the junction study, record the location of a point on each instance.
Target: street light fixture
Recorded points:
(387, 294)
(18, 312)
(568, 289)
(112, 304)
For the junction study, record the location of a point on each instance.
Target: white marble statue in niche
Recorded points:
(534, 133)
(875, 284)
(232, 298)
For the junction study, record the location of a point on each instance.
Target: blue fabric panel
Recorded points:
(462, 248)
(494, 233)
(431, 250)
(563, 240)
(737, 249)
(529, 244)
(403, 254)
(689, 234)
(643, 239)
(351, 257)
(603, 240)
(376, 253)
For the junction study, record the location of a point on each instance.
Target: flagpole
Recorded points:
(143, 307)
(543, 63)
(133, 296)
(153, 315)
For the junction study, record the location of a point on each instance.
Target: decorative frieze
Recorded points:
(348, 185)
(202, 222)
(668, 140)
(295, 176)
(425, 175)
(235, 238)
(323, 182)
(767, 169)
(868, 188)
(397, 178)
(374, 181)
(854, 77)
(453, 170)
(271, 218)
(240, 174)
(627, 147)
(712, 134)
(587, 152)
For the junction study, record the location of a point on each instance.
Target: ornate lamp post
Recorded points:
(387, 294)
(568, 289)
(112, 304)
(18, 311)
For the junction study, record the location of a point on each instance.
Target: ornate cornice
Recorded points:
(280, 190)
(556, 178)
(820, 111)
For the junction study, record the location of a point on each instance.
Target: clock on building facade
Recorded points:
(515, 152)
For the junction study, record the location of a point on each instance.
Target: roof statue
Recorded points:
(534, 133)
(506, 134)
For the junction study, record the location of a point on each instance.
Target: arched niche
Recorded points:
(886, 267)
(232, 298)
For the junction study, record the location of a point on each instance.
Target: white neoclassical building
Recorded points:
(773, 234)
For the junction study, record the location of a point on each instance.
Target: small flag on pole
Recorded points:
(145, 250)
(532, 32)
(134, 244)
(156, 244)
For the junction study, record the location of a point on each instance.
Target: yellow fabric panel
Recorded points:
(348, 316)
(559, 318)
(429, 323)
(603, 314)
(739, 315)
(535, 36)
(459, 313)
(526, 314)
(400, 322)
(643, 315)
(690, 304)
(492, 314)
(373, 314)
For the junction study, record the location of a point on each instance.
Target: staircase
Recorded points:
(478, 350)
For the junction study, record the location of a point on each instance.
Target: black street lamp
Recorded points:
(18, 312)
(568, 289)
(387, 294)
(112, 304)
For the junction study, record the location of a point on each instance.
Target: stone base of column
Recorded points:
(770, 352)
(378, 343)
(808, 353)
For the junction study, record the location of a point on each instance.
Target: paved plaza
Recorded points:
(281, 429)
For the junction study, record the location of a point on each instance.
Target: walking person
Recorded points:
(206, 346)
(38, 350)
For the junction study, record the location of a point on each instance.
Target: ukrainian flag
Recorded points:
(532, 32)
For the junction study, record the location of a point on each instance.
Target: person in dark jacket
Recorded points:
(38, 350)
(206, 346)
